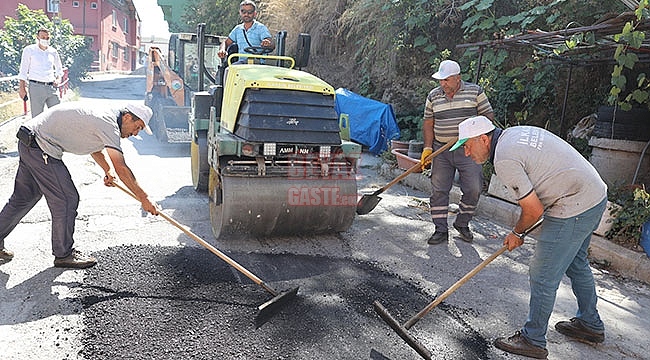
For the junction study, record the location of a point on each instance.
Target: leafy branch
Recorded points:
(629, 40)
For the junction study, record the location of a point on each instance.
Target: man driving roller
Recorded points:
(249, 34)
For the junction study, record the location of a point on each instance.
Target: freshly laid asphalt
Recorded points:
(180, 302)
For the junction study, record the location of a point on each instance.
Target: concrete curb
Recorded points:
(627, 263)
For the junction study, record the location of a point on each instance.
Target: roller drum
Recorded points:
(264, 206)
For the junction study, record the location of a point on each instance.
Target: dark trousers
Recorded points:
(35, 179)
(443, 170)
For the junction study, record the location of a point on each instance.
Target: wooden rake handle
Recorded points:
(416, 166)
(454, 287)
(465, 278)
(206, 245)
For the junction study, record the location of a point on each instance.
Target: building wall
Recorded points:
(94, 19)
(120, 36)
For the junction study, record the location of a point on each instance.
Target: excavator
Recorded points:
(266, 146)
(172, 79)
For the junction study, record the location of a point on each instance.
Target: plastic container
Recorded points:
(398, 144)
(645, 237)
(415, 149)
(405, 162)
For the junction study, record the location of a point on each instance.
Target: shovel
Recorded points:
(402, 330)
(369, 201)
(266, 310)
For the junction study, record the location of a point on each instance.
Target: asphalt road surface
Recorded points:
(156, 294)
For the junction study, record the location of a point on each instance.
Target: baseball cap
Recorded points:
(447, 68)
(143, 112)
(472, 127)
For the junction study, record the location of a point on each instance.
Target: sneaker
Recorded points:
(518, 344)
(75, 260)
(465, 233)
(437, 238)
(6, 254)
(575, 328)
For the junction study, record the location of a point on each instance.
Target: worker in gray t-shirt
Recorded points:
(77, 128)
(549, 178)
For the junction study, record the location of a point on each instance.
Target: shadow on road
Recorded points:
(149, 145)
(35, 294)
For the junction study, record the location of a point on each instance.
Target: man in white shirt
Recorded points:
(40, 65)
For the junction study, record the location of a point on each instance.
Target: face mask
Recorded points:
(44, 42)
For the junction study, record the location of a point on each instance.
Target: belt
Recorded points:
(42, 83)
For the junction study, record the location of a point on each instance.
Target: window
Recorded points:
(75, 4)
(93, 5)
(114, 19)
(126, 25)
(115, 50)
(53, 6)
(126, 54)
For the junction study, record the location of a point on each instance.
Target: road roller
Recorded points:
(267, 147)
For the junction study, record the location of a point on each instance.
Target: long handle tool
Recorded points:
(369, 201)
(266, 310)
(402, 330)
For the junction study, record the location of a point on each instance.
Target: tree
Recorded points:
(525, 86)
(220, 16)
(21, 31)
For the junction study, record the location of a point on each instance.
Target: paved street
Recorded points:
(156, 294)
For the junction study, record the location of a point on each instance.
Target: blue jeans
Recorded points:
(562, 249)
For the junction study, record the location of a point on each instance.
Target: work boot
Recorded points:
(6, 255)
(438, 237)
(575, 328)
(75, 260)
(518, 344)
(465, 233)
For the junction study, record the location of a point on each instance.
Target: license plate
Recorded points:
(294, 149)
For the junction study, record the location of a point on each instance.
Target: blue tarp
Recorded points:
(372, 123)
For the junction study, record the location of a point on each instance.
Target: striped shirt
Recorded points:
(470, 100)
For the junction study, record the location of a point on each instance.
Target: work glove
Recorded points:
(425, 153)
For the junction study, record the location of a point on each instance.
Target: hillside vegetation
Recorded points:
(388, 49)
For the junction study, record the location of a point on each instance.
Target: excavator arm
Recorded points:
(162, 80)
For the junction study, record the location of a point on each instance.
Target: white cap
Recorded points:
(447, 68)
(472, 127)
(143, 112)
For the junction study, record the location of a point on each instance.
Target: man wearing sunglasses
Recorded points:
(249, 34)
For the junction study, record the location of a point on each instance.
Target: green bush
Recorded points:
(633, 212)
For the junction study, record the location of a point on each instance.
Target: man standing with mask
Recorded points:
(40, 65)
